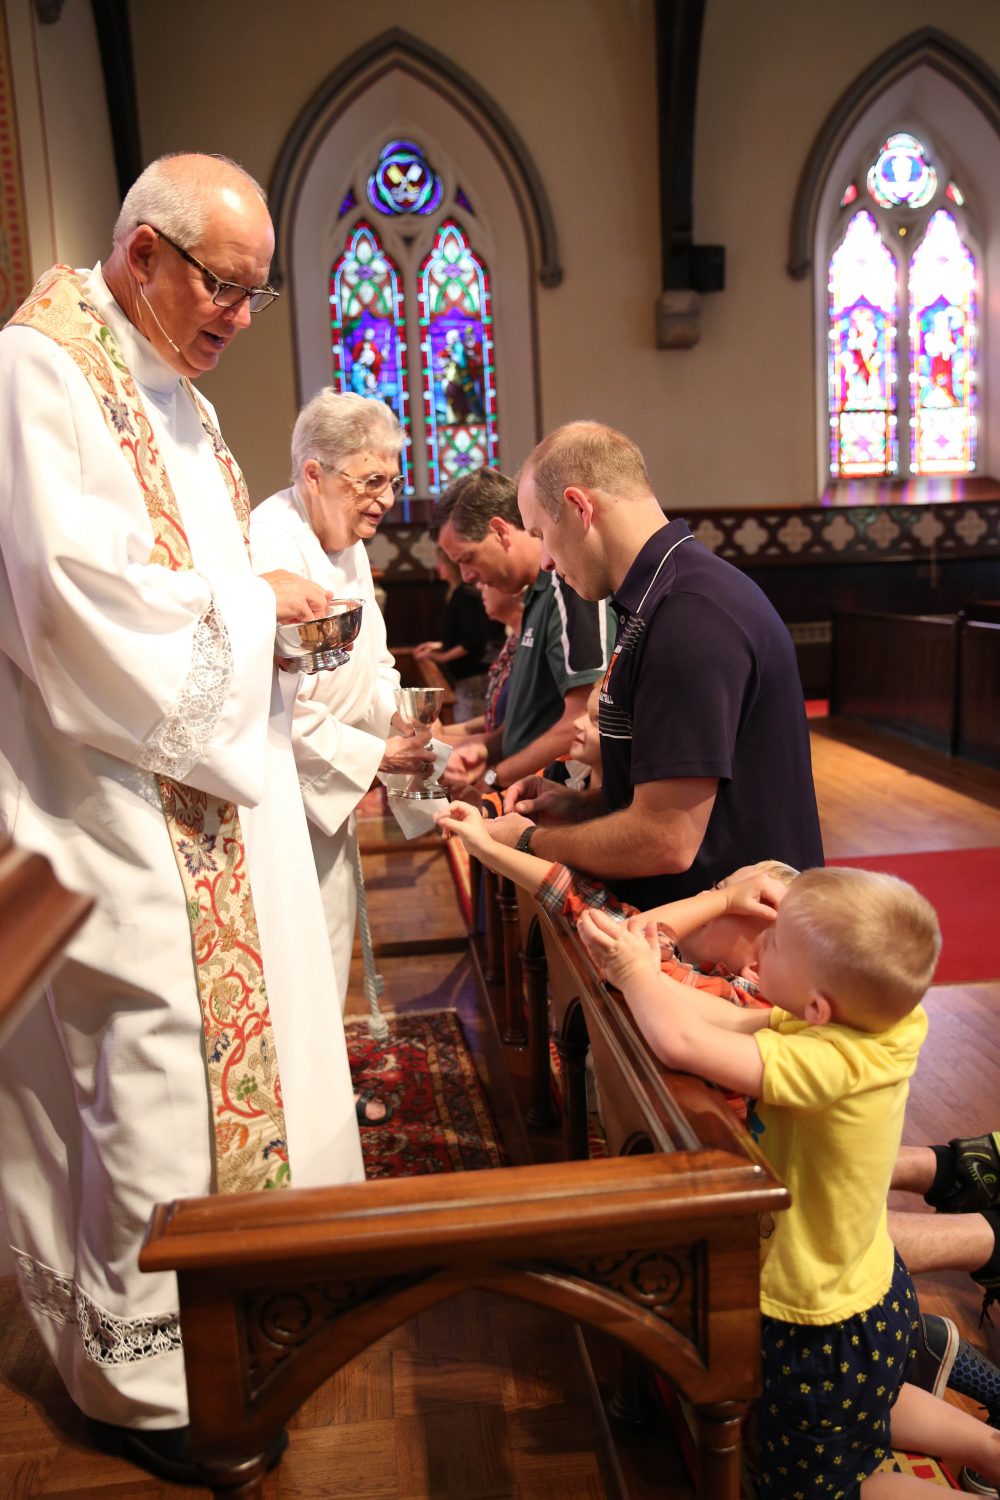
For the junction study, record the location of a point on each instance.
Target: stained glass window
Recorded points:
(368, 328)
(943, 337)
(901, 174)
(404, 182)
(407, 279)
(904, 288)
(457, 348)
(863, 316)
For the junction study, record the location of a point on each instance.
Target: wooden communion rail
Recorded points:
(279, 1290)
(656, 1245)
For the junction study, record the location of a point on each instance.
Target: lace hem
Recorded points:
(107, 1339)
(177, 742)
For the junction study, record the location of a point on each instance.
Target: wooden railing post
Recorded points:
(573, 1062)
(541, 1112)
(513, 1030)
(493, 969)
(717, 1433)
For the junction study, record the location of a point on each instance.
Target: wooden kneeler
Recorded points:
(279, 1290)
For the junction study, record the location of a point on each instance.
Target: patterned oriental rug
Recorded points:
(440, 1121)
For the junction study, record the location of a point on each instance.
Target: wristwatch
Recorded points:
(524, 842)
(490, 776)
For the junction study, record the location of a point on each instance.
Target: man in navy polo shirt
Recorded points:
(704, 745)
(565, 640)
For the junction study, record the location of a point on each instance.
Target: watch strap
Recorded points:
(524, 841)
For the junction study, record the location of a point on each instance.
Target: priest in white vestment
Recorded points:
(345, 466)
(137, 645)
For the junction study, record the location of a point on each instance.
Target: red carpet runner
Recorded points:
(962, 885)
(440, 1120)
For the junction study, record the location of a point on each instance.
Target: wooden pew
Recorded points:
(279, 1290)
(977, 732)
(898, 672)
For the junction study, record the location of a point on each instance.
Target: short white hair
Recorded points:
(178, 202)
(332, 427)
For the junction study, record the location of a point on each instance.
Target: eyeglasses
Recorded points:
(224, 293)
(371, 485)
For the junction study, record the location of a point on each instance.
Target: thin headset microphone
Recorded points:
(156, 320)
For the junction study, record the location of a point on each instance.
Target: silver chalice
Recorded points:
(421, 705)
(318, 645)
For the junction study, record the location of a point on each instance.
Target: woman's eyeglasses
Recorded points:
(371, 485)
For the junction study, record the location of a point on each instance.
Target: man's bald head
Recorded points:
(191, 228)
(588, 454)
(182, 192)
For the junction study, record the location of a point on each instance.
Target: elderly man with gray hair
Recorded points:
(188, 1044)
(345, 468)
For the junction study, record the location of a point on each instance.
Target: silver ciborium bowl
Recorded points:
(421, 705)
(318, 645)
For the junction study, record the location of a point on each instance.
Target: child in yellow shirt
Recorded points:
(845, 965)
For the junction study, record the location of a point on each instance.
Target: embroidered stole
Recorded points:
(241, 1058)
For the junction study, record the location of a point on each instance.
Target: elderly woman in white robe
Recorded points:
(345, 466)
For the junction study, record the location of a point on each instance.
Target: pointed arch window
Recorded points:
(902, 335)
(368, 329)
(413, 275)
(457, 347)
(862, 366)
(943, 340)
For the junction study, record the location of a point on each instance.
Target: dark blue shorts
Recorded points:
(822, 1422)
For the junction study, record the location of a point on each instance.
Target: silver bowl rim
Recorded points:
(287, 634)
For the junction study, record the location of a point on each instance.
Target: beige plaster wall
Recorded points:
(71, 195)
(729, 422)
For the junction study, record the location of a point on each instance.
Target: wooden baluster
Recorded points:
(631, 1403)
(514, 1028)
(573, 1058)
(541, 1112)
(494, 937)
(475, 896)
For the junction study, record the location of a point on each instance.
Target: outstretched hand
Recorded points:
(465, 765)
(542, 801)
(621, 951)
(467, 823)
(754, 896)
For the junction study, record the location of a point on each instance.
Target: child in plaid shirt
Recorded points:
(717, 929)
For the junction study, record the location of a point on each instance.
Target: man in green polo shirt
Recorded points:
(565, 641)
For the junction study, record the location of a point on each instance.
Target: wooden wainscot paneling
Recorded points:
(978, 730)
(897, 671)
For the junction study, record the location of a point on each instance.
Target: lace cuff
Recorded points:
(177, 742)
(107, 1339)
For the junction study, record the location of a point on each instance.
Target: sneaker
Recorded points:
(973, 1483)
(988, 1275)
(934, 1356)
(975, 1184)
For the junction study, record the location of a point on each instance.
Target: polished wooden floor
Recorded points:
(483, 1398)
